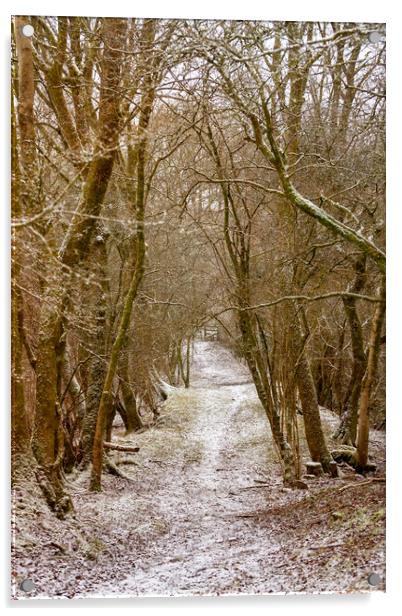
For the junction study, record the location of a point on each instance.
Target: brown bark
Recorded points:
(188, 363)
(26, 124)
(372, 361)
(338, 381)
(20, 448)
(97, 263)
(258, 368)
(22, 462)
(95, 381)
(308, 398)
(117, 447)
(131, 418)
(55, 88)
(184, 365)
(106, 401)
(46, 440)
(348, 426)
(323, 376)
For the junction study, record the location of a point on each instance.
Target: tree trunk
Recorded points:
(132, 418)
(46, 438)
(188, 362)
(338, 380)
(105, 402)
(372, 361)
(73, 415)
(26, 124)
(324, 376)
(184, 366)
(347, 429)
(106, 397)
(22, 462)
(19, 428)
(98, 344)
(309, 403)
(96, 378)
(259, 376)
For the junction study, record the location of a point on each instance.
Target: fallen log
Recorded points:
(117, 447)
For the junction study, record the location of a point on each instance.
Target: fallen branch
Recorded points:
(127, 461)
(261, 485)
(361, 483)
(117, 447)
(326, 547)
(113, 470)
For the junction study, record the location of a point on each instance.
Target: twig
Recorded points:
(361, 483)
(326, 547)
(262, 485)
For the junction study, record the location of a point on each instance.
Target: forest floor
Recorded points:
(205, 512)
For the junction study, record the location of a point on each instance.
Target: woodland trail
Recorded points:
(208, 486)
(206, 512)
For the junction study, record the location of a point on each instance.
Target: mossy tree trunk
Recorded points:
(299, 67)
(132, 419)
(47, 441)
(347, 429)
(372, 361)
(23, 203)
(137, 275)
(25, 84)
(308, 398)
(184, 364)
(98, 343)
(20, 446)
(96, 378)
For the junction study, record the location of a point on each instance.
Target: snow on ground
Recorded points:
(206, 512)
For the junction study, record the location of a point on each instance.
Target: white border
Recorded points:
(339, 10)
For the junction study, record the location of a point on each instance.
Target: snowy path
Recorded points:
(206, 512)
(206, 549)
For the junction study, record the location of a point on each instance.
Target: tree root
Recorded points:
(57, 499)
(111, 468)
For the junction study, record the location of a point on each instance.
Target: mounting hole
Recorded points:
(375, 37)
(374, 579)
(27, 585)
(28, 30)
